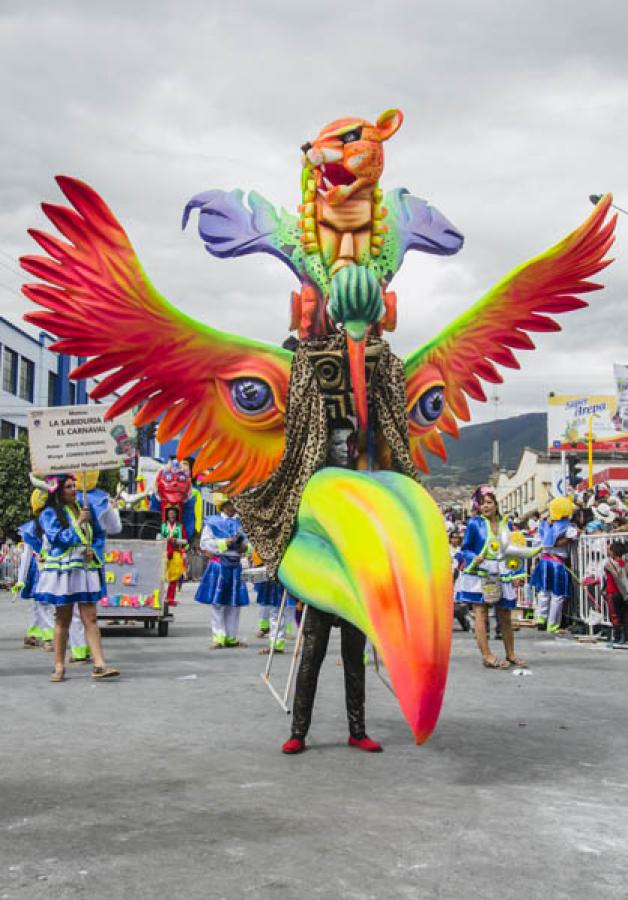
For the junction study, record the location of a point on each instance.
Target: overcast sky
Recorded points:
(514, 113)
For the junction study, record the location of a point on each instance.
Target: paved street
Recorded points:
(169, 783)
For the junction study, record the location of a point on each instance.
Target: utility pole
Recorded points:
(495, 400)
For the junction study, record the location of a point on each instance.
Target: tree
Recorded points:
(15, 486)
(108, 480)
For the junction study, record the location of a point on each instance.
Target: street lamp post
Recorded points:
(595, 198)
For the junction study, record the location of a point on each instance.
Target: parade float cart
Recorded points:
(134, 575)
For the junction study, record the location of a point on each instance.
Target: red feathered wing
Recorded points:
(98, 301)
(487, 333)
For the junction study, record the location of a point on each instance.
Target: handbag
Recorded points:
(491, 591)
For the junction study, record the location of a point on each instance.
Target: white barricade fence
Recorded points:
(590, 556)
(588, 601)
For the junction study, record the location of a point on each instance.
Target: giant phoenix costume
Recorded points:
(366, 544)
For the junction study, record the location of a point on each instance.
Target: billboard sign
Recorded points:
(568, 421)
(621, 382)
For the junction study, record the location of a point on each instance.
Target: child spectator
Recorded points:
(617, 591)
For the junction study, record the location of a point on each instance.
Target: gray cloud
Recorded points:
(515, 112)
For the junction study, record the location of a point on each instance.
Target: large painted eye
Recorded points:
(349, 136)
(251, 395)
(429, 406)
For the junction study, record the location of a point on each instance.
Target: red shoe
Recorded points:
(294, 745)
(365, 744)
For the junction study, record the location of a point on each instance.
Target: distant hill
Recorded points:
(469, 457)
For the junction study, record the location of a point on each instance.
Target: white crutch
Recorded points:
(265, 675)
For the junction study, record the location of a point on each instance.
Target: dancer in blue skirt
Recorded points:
(269, 595)
(72, 549)
(222, 587)
(40, 632)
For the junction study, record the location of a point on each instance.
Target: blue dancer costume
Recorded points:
(66, 577)
(550, 578)
(222, 583)
(29, 571)
(222, 587)
(41, 630)
(550, 573)
(501, 563)
(269, 594)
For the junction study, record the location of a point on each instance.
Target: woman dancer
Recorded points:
(486, 578)
(70, 572)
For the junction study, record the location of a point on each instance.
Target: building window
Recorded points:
(22, 433)
(53, 389)
(532, 489)
(9, 371)
(27, 380)
(72, 393)
(7, 429)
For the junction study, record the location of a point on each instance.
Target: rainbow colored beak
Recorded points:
(372, 548)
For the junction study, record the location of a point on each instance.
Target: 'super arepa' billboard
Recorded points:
(568, 422)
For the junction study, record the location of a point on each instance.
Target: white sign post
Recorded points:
(75, 438)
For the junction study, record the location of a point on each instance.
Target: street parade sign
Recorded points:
(71, 438)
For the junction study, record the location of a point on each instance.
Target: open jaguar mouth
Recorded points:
(333, 174)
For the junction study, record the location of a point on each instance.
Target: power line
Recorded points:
(8, 255)
(12, 289)
(11, 268)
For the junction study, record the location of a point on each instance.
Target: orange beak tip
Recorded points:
(356, 352)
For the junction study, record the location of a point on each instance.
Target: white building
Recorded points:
(538, 477)
(527, 490)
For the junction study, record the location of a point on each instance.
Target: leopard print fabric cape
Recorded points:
(269, 512)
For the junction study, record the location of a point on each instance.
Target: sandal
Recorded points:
(518, 663)
(57, 677)
(216, 646)
(265, 651)
(236, 645)
(107, 672)
(495, 663)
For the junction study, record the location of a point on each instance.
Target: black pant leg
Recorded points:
(315, 639)
(353, 644)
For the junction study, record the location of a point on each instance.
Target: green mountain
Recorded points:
(469, 457)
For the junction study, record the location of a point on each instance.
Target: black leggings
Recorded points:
(315, 640)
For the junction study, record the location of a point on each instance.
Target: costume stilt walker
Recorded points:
(367, 545)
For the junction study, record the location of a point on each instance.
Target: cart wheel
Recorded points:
(162, 629)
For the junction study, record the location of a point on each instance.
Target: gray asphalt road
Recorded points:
(169, 783)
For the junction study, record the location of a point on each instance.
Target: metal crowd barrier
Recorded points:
(591, 552)
(9, 567)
